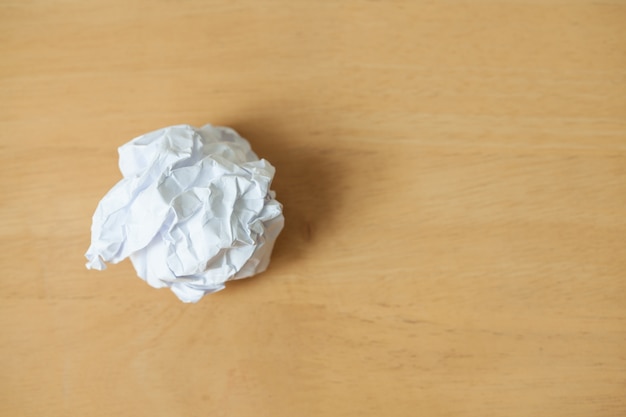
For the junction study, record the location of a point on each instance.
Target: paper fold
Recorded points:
(194, 209)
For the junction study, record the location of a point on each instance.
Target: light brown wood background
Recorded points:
(454, 181)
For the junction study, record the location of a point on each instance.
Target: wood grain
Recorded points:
(454, 181)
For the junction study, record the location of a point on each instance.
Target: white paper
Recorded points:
(193, 210)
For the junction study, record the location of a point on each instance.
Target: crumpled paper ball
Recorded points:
(194, 209)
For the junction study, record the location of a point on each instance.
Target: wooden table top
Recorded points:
(453, 177)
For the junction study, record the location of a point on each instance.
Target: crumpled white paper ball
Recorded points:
(193, 211)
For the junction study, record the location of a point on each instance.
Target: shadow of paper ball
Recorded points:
(308, 183)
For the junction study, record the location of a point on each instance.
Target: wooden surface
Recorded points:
(454, 181)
